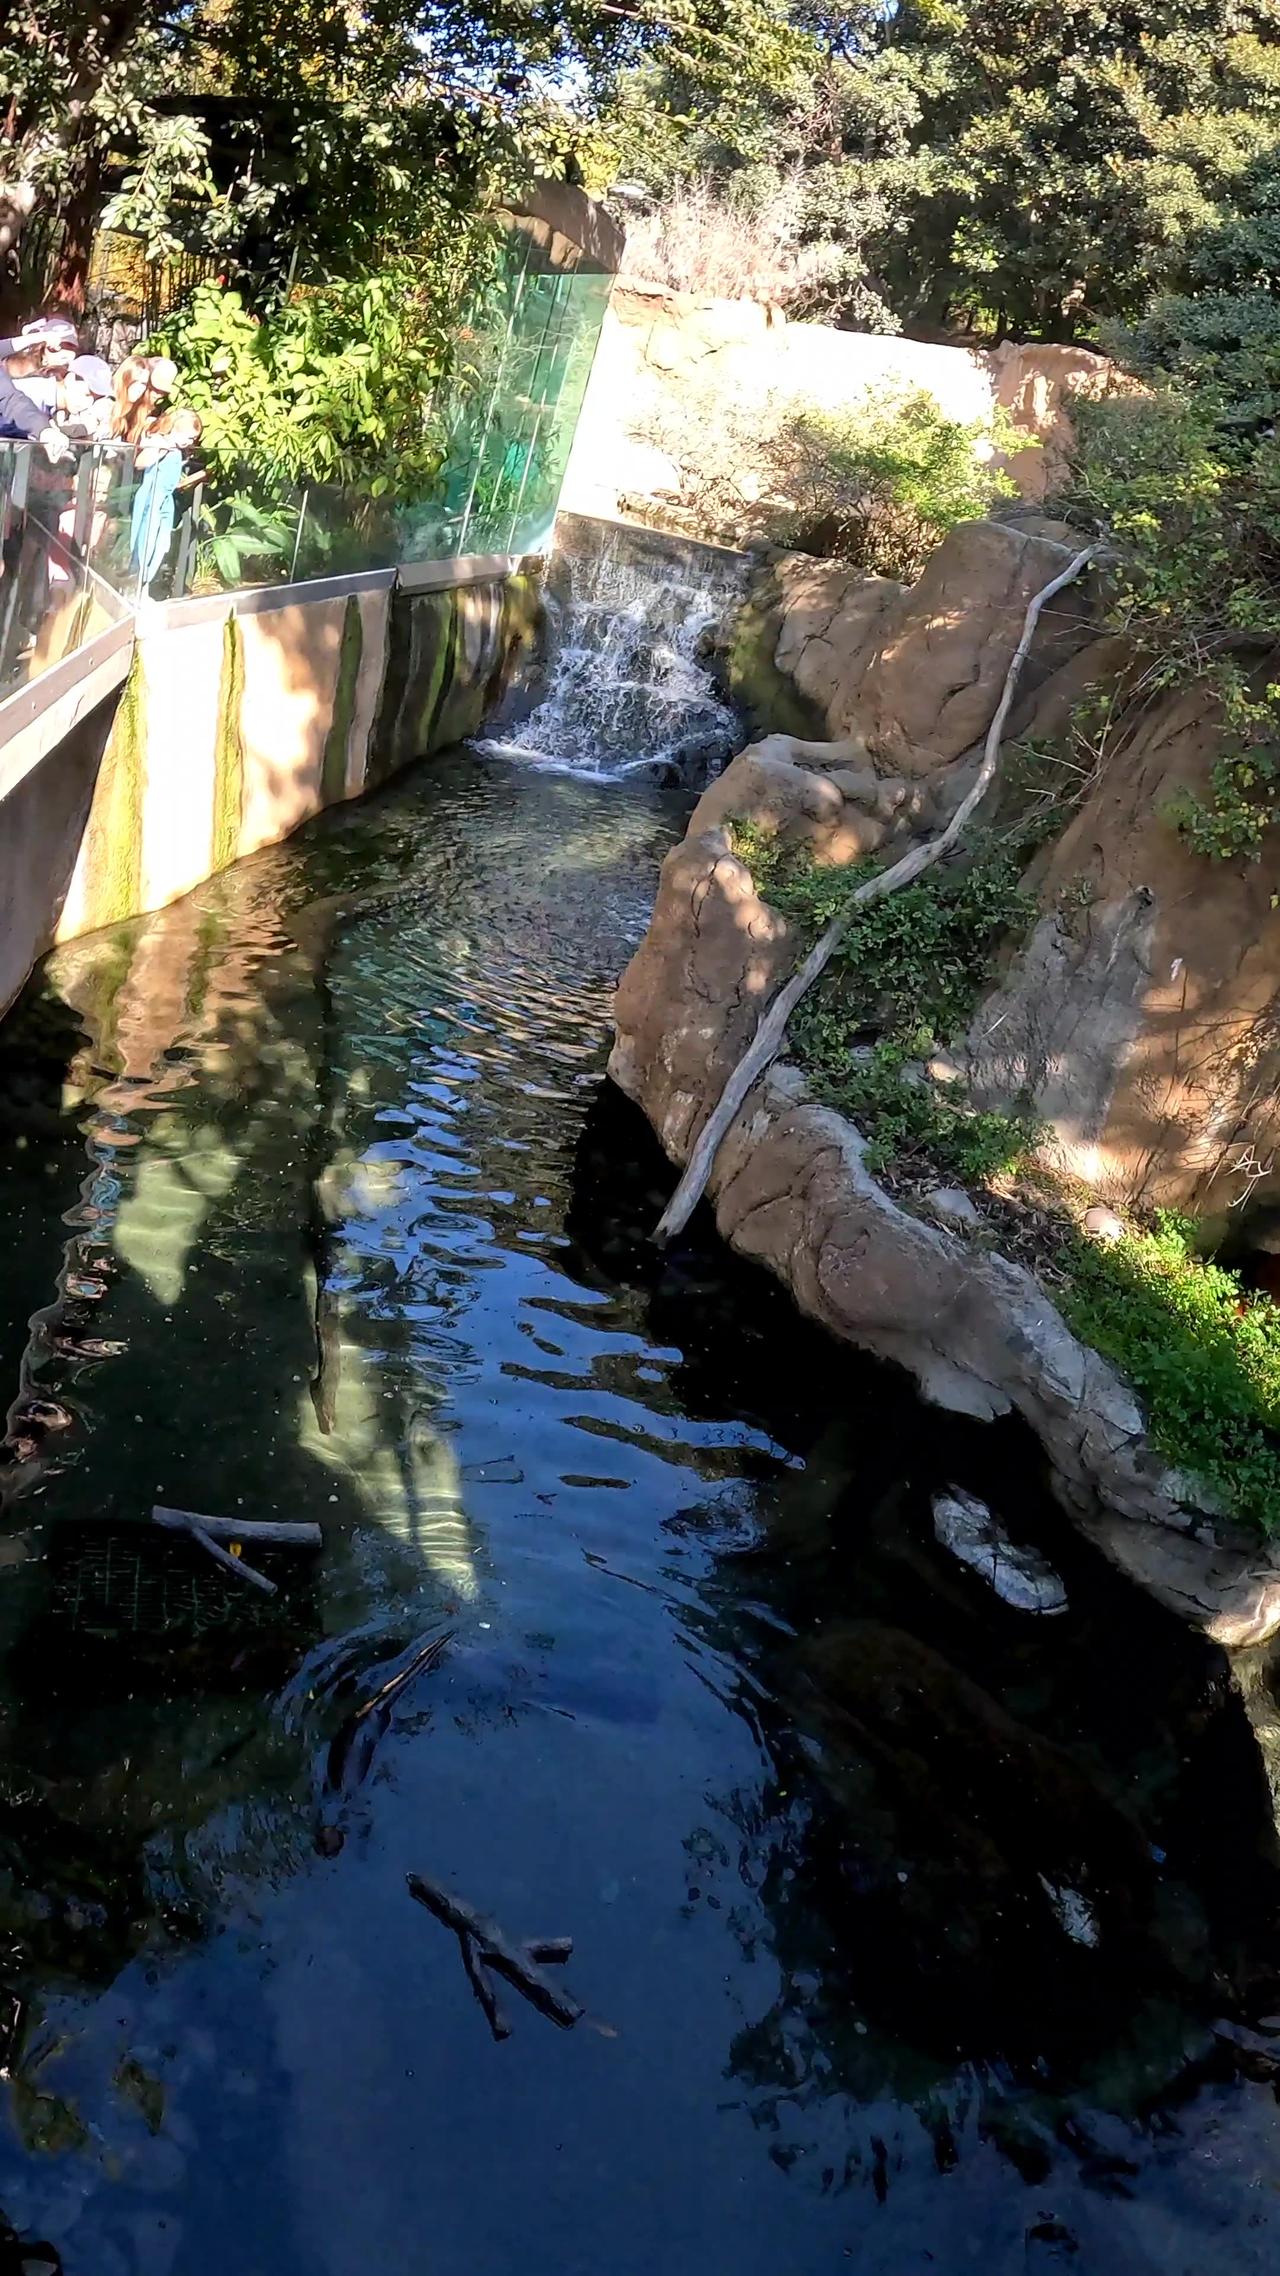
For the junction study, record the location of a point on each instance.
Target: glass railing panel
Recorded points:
(52, 598)
(87, 538)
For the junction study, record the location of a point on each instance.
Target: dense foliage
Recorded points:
(340, 386)
(998, 162)
(333, 385)
(1203, 1356)
(906, 975)
(310, 140)
(1033, 168)
(1184, 480)
(1191, 511)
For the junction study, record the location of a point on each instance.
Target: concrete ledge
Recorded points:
(469, 569)
(263, 600)
(39, 714)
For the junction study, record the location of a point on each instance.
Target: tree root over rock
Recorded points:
(768, 1039)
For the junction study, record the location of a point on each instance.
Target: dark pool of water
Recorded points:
(901, 1919)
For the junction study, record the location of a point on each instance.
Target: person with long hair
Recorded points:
(161, 463)
(141, 384)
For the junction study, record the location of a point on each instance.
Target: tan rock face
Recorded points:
(690, 999)
(1036, 386)
(791, 1189)
(1141, 1020)
(1143, 1016)
(831, 620)
(916, 672)
(929, 690)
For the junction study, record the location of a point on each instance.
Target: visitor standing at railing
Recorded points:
(161, 463)
(142, 386)
(85, 402)
(30, 365)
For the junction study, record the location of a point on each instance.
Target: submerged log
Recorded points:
(514, 1961)
(301, 1536)
(230, 1564)
(482, 1985)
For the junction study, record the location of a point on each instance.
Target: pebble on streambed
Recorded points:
(1020, 1576)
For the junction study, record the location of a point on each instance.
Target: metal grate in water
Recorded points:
(111, 1581)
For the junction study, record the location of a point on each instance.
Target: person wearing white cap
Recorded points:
(85, 401)
(30, 365)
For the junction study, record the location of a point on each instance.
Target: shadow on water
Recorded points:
(913, 1915)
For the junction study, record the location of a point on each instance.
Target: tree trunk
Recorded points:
(79, 229)
(28, 140)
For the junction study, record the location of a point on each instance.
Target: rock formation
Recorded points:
(1093, 1019)
(1143, 1014)
(1141, 1019)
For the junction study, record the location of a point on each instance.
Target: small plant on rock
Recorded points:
(881, 485)
(908, 970)
(1200, 1351)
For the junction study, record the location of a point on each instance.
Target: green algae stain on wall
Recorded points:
(113, 834)
(436, 629)
(228, 751)
(419, 663)
(333, 766)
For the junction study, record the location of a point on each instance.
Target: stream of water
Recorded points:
(901, 1919)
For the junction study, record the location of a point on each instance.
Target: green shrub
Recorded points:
(880, 485)
(916, 959)
(1185, 482)
(909, 1120)
(1203, 1357)
(335, 384)
(909, 969)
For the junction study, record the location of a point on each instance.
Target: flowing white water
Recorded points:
(626, 684)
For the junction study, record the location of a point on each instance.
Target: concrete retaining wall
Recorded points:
(238, 719)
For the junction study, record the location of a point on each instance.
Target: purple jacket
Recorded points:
(20, 418)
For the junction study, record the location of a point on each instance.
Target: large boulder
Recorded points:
(830, 618)
(916, 671)
(1142, 1017)
(929, 691)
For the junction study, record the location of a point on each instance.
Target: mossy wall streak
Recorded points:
(333, 767)
(228, 781)
(113, 837)
(462, 698)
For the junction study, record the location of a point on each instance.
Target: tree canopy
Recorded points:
(212, 121)
(1029, 166)
(1038, 166)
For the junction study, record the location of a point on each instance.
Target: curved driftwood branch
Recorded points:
(767, 1040)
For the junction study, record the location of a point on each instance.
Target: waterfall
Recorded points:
(625, 685)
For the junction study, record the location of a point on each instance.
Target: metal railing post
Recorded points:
(86, 492)
(187, 539)
(302, 515)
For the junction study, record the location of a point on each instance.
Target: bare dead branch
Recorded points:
(767, 1041)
